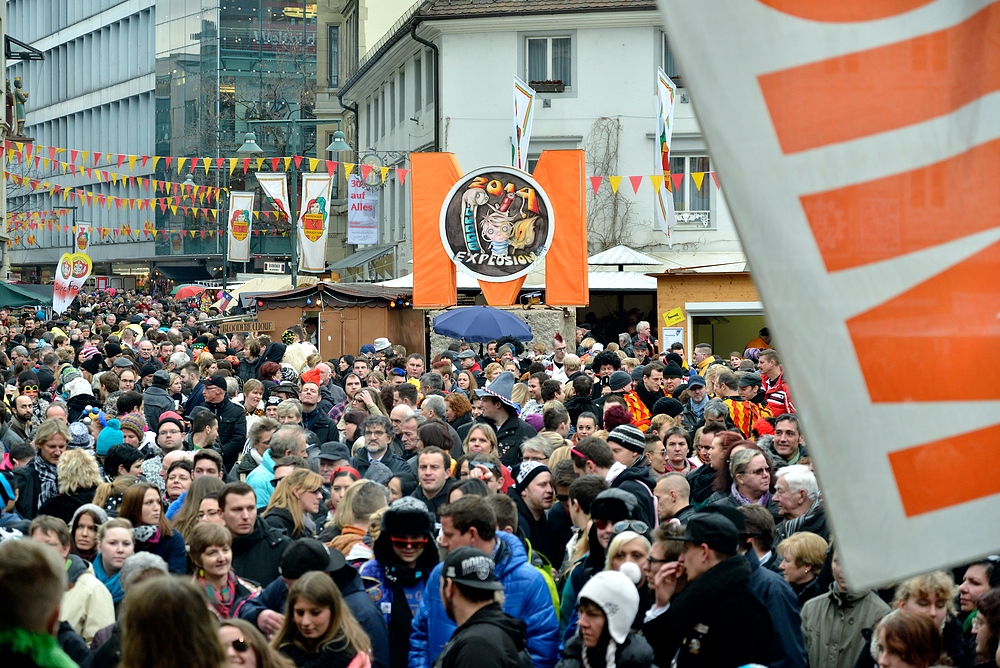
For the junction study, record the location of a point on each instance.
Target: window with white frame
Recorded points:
(549, 59)
(392, 103)
(418, 91)
(402, 95)
(694, 197)
(667, 60)
(333, 55)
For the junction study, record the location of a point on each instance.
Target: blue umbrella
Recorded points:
(481, 324)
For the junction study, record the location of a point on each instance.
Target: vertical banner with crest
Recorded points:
(275, 186)
(666, 92)
(362, 212)
(71, 273)
(82, 238)
(524, 112)
(314, 221)
(240, 225)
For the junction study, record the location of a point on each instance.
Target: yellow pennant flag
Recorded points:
(156, 159)
(615, 181)
(45, 162)
(348, 167)
(657, 181)
(260, 163)
(206, 162)
(288, 163)
(313, 163)
(110, 158)
(180, 164)
(84, 155)
(173, 209)
(131, 162)
(385, 173)
(232, 165)
(697, 177)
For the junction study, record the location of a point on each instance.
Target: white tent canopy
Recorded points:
(622, 255)
(614, 281)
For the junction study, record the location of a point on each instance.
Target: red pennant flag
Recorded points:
(52, 152)
(297, 160)
(716, 180)
(97, 156)
(144, 159)
(203, 234)
(72, 156)
(678, 180)
(121, 160)
(274, 164)
(401, 174)
(636, 181)
(365, 171)
(166, 161)
(218, 162)
(595, 182)
(331, 167)
(246, 165)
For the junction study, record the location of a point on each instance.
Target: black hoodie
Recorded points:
(488, 639)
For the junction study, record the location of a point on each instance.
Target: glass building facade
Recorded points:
(225, 68)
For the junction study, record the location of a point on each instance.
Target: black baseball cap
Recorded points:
(308, 554)
(218, 380)
(471, 568)
(713, 529)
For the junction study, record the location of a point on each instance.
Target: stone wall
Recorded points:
(544, 322)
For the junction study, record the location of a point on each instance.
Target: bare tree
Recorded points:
(609, 215)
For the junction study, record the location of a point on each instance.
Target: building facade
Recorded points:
(442, 79)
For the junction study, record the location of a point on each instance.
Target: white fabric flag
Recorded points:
(861, 165)
(82, 239)
(666, 93)
(362, 212)
(524, 113)
(240, 225)
(314, 221)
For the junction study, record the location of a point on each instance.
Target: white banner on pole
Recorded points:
(314, 221)
(81, 241)
(524, 114)
(666, 93)
(863, 186)
(240, 225)
(362, 212)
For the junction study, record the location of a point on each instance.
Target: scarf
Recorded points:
(147, 533)
(744, 501)
(222, 600)
(41, 648)
(259, 412)
(698, 408)
(47, 474)
(113, 583)
(794, 524)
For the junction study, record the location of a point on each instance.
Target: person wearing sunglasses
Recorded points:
(247, 647)
(405, 554)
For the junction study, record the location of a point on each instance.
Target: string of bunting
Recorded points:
(39, 153)
(25, 236)
(674, 184)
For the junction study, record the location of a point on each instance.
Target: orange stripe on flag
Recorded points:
(952, 316)
(844, 11)
(884, 88)
(971, 460)
(905, 212)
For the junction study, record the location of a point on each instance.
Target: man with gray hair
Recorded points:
(399, 414)
(431, 382)
(435, 408)
(378, 432)
(287, 441)
(797, 497)
(643, 333)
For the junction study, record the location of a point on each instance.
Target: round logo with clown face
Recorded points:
(496, 223)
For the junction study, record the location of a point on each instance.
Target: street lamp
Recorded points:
(250, 147)
(339, 143)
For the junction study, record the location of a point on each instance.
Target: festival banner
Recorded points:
(82, 238)
(314, 222)
(524, 114)
(240, 225)
(666, 93)
(362, 212)
(71, 273)
(872, 242)
(275, 186)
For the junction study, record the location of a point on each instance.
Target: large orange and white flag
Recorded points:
(859, 144)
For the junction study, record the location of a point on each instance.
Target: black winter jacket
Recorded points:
(490, 638)
(256, 556)
(635, 652)
(232, 430)
(155, 402)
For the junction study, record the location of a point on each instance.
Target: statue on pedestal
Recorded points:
(20, 97)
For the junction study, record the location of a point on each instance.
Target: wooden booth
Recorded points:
(350, 315)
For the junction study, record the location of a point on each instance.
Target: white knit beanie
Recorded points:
(616, 594)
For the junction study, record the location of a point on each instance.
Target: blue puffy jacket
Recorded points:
(260, 480)
(527, 598)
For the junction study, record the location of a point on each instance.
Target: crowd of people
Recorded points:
(170, 496)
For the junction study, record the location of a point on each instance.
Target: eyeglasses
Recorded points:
(170, 432)
(240, 644)
(623, 525)
(404, 542)
(658, 452)
(375, 433)
(29, 388)
(562, 498)
(275, 481)
(653, 560)
(757, 472)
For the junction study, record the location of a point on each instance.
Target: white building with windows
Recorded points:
(441, 79)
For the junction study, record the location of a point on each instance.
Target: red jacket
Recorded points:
(779, 401)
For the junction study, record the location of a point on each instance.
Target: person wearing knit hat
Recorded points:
(405, 555)
(112, 350)
(133, 428)
(91, 364)
(109, 437)
(533, 496)
(673, 377)
(628, 444)
(620, 382)
(607, 605)
(81, 437)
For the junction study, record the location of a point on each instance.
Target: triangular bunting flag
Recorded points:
(274, 164)
(206, 162)
(385, 173)
(698, 178)
(313, 164)
(678, 181)
(156, 159)
(614, 181)
(401, 174)
(595, 182)
(297, 160)
(657, 181)
(288, 163)
(715, 179)
(636, 181)
(131, 162)
(365, 171)
(121, 160)
(97, 156)
(331, 167)
(232, 165)
(180, 164)
(260, 163)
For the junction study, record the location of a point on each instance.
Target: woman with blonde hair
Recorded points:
(466, 382)
(114, 546)
(78, 477)
(319, 629)
(520, 394)
(195, 508)
(491, 371)
(296, 498)
(166, 624)
(207, 364)
(481, 439)
(109, 495)
(244, 645)
(803, 555)
(375, 380)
